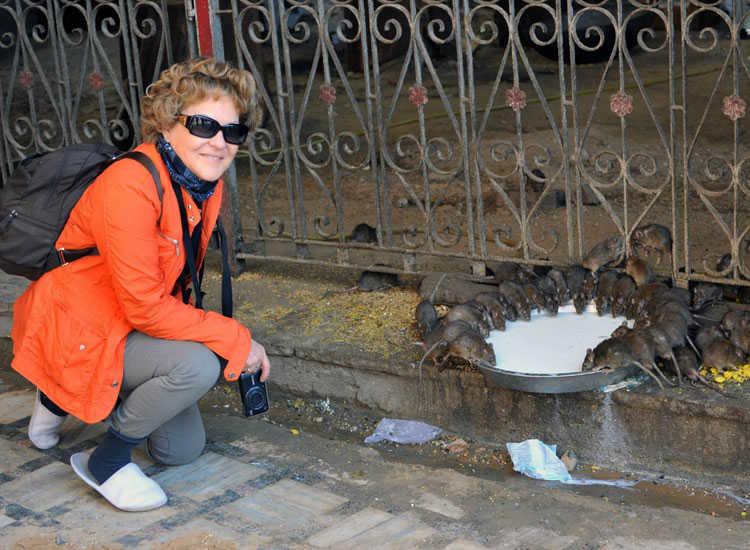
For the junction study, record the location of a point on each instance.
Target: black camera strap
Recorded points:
(190, 254)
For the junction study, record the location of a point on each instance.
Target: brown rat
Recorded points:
(495, 306)
(375, 280)
(558, 278)
(654, 238)
(515, 296)
(575, 277)
(426, 317)
(364, 233)
(622, 290)
(535, 296)
(704, 294)
(606, 252)
(604, 288)
(642, 297)
(640, 270)
(589, 285)
(549, 290)
(735, 320)
(475, 318)
(472, 348)
(708, 334)
(691, 369)
(615, 353)
(723, 355)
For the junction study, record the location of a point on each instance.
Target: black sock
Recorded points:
(112, 454)
(50, 406)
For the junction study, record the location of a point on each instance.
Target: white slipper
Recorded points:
(44, 426)
(128, 489)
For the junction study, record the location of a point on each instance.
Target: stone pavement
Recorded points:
(10, 288)
(263, 485)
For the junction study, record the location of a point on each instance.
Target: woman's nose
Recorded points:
(218, 140)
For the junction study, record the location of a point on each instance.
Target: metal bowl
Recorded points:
(556, 383)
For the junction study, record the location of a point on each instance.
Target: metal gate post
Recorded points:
(211, 44)
(203, 26)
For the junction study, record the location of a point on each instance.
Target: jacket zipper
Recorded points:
(9, 218)
(175, 242)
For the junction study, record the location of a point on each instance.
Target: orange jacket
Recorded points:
(70, 326)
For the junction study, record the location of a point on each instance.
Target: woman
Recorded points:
(115, 325)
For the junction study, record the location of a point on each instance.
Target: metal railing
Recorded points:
(460, 131)
(74, 70)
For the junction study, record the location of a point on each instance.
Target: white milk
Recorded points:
(551, 345)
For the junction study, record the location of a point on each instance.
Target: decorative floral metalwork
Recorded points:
(418, 96)
(621, 104)
(328, 94)
(734, 107)
(26, 79)
(96, 81)
(515, 98)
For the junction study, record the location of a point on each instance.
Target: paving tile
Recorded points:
(348, 528)
(622, 543)
(463, 544)
(74, 432)
(208, 476)
(439, 505)
(533, 537)
(44, 488)
(286, 505)
(13, 454)
(15, 405)
(141, 457)
(92, 516)
(202, 533)
(28, 536)
(4, 520)
(404, 531)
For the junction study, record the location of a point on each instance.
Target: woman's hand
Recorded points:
(258, 360)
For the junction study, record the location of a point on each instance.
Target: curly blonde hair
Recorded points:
(192, 81)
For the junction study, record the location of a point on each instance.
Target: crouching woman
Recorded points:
(115, 334)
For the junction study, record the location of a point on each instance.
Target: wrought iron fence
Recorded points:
(460, 131)
(75, 70)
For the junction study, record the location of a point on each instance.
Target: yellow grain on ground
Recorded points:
(379, 322)
(738, 375)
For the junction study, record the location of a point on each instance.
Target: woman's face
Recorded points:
(207, 158)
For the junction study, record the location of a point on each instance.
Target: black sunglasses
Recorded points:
(203, 126)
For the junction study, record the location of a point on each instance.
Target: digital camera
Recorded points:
(253, 393)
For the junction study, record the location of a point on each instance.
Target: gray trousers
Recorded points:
(162, 383)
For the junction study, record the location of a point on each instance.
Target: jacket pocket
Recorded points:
(82, 354)
(73, 351)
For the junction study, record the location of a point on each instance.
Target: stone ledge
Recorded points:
(686, 431)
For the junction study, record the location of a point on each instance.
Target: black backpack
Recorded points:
(37, 199)
(40, 194)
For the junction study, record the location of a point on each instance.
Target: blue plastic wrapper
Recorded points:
(536, 459)
(403, 431)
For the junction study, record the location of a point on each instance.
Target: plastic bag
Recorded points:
(403, 431)
(536, 459)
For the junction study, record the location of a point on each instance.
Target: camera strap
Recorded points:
(190, 254)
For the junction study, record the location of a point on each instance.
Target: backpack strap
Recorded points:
(66, 256)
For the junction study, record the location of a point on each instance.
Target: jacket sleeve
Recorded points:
(129, 241)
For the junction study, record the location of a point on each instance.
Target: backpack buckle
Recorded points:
(61, 256)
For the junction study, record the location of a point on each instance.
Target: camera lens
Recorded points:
(256, 399)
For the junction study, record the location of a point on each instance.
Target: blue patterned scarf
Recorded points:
(199, 189)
